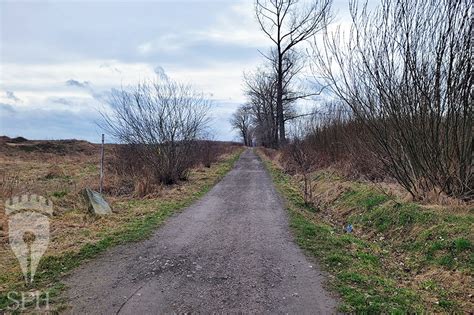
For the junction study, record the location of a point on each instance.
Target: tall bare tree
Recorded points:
(288, 23)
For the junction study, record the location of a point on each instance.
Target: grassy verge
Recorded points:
(401, 257)
(134, 221)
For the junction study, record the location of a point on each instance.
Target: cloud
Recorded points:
(98, 94)
(190, 40)
(234, 29)
(11, 95)
(71, 82)
(160, 72)
(221, 113)
(49, 124)
(6, 108)
(103, 97)
(209, 48)
(111, 24)
(61, 100)
(109, 66)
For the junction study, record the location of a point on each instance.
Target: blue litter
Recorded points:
(348, 228)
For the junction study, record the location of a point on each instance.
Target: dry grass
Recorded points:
(60, 177)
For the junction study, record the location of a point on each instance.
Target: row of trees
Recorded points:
(401, 80)
(273, 89)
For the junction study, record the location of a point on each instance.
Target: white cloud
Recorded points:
(11, 96)
(209, 50)
(43, 86)
(236, 26)
(33, 82)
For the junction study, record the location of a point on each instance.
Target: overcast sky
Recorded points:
(58, 59)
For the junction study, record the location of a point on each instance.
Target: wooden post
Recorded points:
(101, 165)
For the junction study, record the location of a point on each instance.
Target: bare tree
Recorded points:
(406, 72)
(260, 91)
(288, 23)
(242, 121)
(161, 122)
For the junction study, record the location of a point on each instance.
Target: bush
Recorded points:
(159, 124)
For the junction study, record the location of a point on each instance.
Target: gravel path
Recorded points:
(229, 252)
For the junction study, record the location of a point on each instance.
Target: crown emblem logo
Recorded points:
(28, 230)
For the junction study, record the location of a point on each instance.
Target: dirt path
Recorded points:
(229, 252)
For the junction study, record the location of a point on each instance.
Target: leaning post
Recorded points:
(101, 165)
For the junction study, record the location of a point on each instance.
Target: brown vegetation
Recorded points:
(160, 124)
(406, 75)
(137, 176)
(61, 172)
(401, 82)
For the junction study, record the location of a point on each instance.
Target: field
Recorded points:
(59, 170)
(399, 257)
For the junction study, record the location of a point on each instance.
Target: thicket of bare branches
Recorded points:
(160, 123)
(406, 73)
(301, 157)
(338, 139)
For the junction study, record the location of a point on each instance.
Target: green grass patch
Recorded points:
(361, 197)
(359, 279)
(443, 240)
(462, 244)
(60, 194)
(393, 242)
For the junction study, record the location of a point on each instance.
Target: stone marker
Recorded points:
(95, 202)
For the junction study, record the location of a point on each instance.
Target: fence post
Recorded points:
(101, 165)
